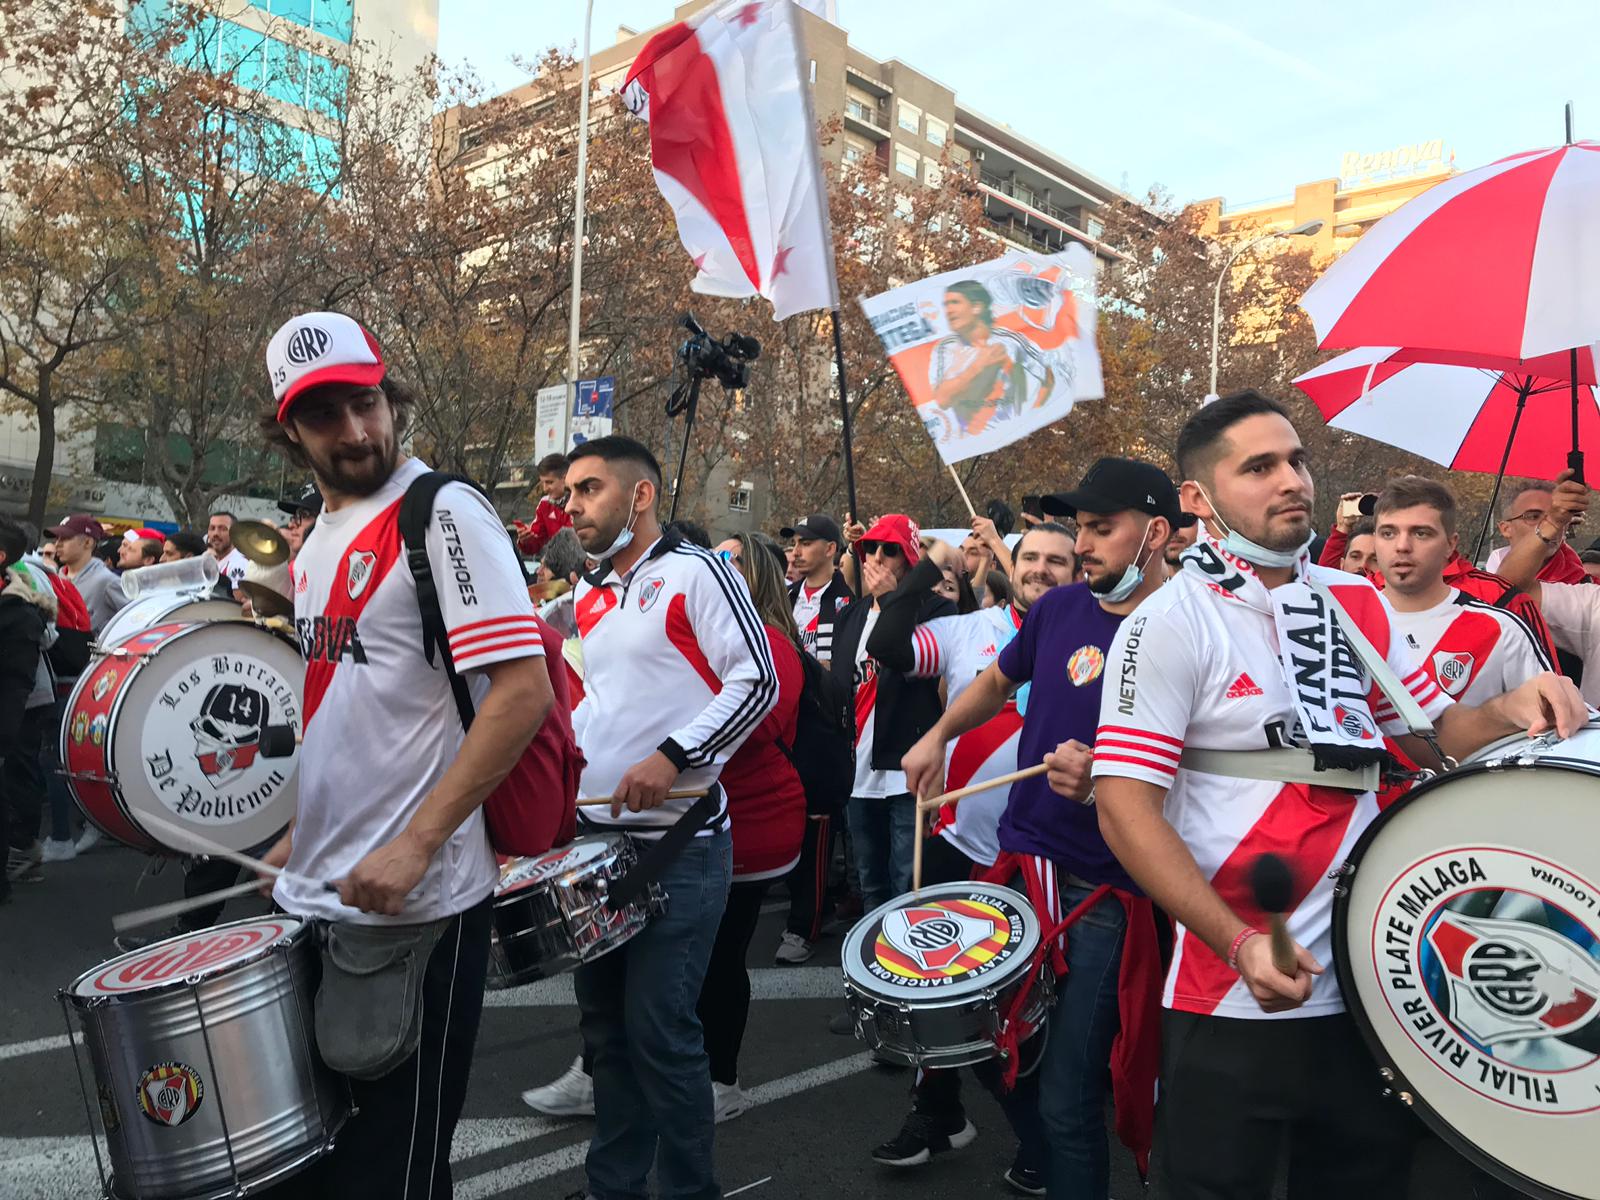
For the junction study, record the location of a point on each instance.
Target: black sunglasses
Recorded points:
(888, 549)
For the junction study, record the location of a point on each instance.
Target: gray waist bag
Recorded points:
(369, 1006)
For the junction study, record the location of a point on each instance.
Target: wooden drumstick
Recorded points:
(156, 914)
(921, 819)
(1273, 885)
(933, 802)
(598, 800)
(190, 842)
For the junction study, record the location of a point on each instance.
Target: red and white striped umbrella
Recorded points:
(1502, 262)
(1461, 417)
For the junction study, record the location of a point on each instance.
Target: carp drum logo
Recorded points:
(1489, 960)
(170, 1093)
(945, 941)
(201, 740)
(1454, 671)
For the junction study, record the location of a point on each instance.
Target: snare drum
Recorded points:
(170, 723)
(163, 608)
(207, 1083)
(550, 911)
(929, 978)
(1467, 940)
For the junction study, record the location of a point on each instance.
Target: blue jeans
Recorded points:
(1083, 1024)
(882, 830)
(636, 1005)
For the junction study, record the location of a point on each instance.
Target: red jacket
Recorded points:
(766, 801)
(549, 518)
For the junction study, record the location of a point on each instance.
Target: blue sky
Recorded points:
(1242, 99)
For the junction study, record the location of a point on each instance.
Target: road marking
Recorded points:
(481, 1135)
(18, 1049)
(746, 1188)
(493, 1183)
(766, 983)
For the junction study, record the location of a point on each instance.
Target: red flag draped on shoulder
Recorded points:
(734, 148)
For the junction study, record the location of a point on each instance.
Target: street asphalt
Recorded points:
(819, 1103)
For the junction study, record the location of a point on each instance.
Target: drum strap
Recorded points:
(1285, 765)
(1378, 667)
(664, 849)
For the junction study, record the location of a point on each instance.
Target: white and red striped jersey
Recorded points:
(381, 725)
(1472, 650)
(958, 649)
(1195, 666)
(870, 782)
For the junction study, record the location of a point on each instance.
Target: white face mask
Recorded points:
(1236, 543)
(1132, 575)
(624, 538)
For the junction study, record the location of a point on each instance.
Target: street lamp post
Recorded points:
(1303, 230)
(577, 226)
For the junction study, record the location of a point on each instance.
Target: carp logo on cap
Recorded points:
(306, 344)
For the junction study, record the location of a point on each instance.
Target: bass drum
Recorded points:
(1467, 931)
(170, 724)
(162, 608)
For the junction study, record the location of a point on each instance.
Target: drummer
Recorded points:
(1250, 1053)
(390, 789)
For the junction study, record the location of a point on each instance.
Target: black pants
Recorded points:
(398, 1146)
(200, 878)
(1232, 1089)
(808, 882)
(26, 795)
(724, 1005)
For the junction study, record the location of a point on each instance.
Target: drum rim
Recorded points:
(113, 781)
(303, 928)
(1399, 1082)
(504, 891)
(935, 892)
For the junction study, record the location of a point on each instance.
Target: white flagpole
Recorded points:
(577, 232)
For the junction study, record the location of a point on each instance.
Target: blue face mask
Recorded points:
(1237, 544)
(1132, 576)
(624, 539)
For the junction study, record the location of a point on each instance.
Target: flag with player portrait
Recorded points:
(990, 353)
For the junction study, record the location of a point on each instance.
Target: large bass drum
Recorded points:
(170, 723)
(163, 608)
(1467, 937)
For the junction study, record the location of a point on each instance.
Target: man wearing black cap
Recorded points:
(821, 593)
(1183, 535)
(303, 508)
(1106, 1001)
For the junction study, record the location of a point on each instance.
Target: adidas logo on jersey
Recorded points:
(1242, 687)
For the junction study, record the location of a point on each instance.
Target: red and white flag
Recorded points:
(734, 148)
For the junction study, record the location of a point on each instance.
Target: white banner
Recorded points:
(550, 421)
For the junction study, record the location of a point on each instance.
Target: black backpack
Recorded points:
(823, 753)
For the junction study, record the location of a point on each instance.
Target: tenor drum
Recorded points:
(551, 911)
(163, 608)
(207, 1082)
(930, 978)
(170, 724)
(1467, 938)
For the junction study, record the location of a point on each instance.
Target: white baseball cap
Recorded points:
(317, 348)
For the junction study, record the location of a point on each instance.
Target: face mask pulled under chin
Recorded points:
(1132, 576)
(624, 537)
(1237, 544)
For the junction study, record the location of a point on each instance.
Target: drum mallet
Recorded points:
(1272, 883)
(1006, 780)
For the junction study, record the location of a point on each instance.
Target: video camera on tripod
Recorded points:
(703, 358)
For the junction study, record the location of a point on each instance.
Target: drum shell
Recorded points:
(551, 925)
(956, 1033)
(247, 1032)
(163, 608)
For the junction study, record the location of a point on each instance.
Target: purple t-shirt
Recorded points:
(1061, 651)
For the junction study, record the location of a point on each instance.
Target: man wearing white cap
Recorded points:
(390, 785)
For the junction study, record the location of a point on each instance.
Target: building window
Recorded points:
(937, 130)
(902, 206)
(739, 497)
(854, 154)
(932, 173)
(1095, 227)
(905, 161)
(910, 117)
(813, 70)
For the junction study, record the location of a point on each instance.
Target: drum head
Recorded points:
(209, 952)
(165, 607)
(952, 941)
(541, 868)
(185, 734)
(1470, 955)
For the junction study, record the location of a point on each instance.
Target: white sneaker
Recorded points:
(792, 950)
(570, 1096)
(729, 1100)
(88, 839)
(59, 850)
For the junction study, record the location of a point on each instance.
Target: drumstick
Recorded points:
(193, 843)
(597, 800)
(1273, 885)
(157, 913)
(933, 802)
(916, 852)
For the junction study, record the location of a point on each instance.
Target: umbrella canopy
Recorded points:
(1460, 417)
(1498, 262)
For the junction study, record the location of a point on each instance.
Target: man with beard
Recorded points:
(390, 785)
(1254, 1057)
(678, 672)
(957, 650)
(1049, 845)
(301, 507)
(1183, 535)
(230, 562)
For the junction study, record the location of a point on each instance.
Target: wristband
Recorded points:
(1244, 935)
(1538, 532)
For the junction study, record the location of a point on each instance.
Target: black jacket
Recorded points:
(836, 597)
(906, 708)
(22, 630)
